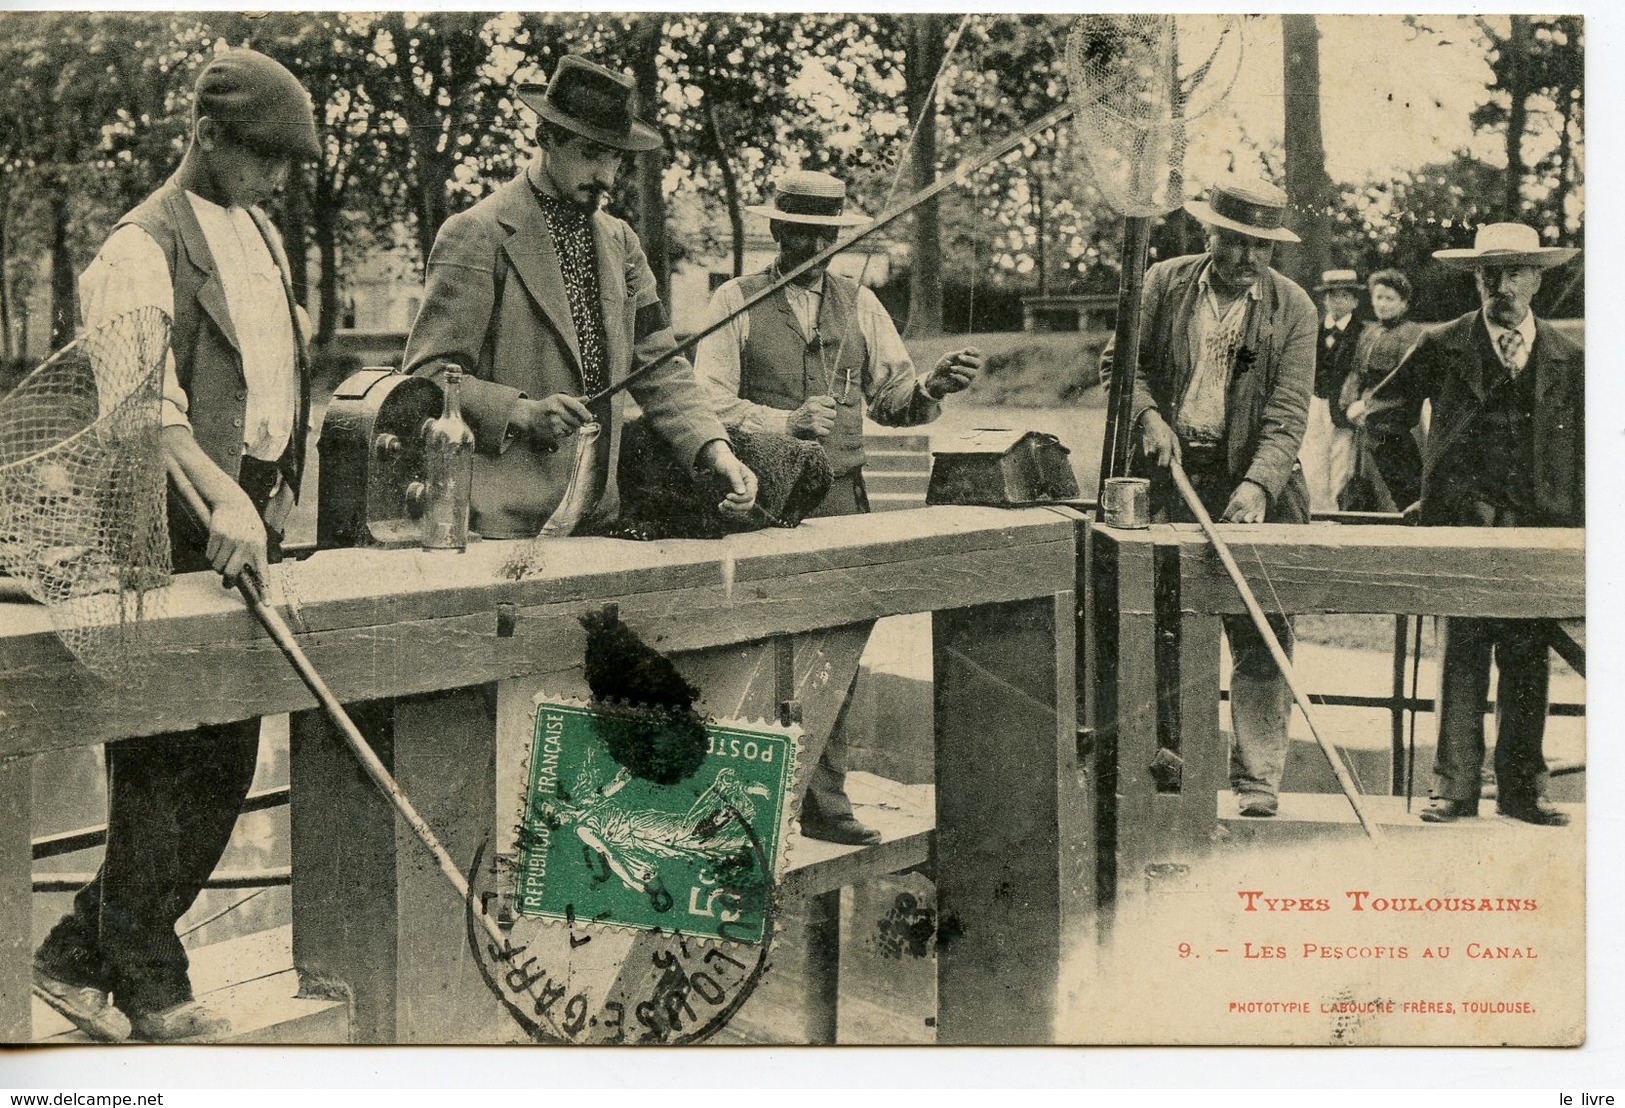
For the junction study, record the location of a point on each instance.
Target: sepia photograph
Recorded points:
(775, 529)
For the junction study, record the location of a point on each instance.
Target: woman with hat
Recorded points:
(1387, 461)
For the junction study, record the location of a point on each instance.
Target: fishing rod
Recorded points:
(958, 176)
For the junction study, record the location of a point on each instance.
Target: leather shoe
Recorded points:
(1449, 811)
(1258, 805)
(186, 1022)
(87, 1008)
(1537, 812)
(845, 830)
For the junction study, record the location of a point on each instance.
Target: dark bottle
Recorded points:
(448, 462)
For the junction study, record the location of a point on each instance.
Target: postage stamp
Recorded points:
(635, 911)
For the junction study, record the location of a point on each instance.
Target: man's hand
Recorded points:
(1357, 412)
(548, 422)
(954, 373)
(1157, 439)
(1247, 504)
(236, 537)
(719, 457)
(815, 419)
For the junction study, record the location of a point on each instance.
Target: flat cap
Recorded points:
(264, 105)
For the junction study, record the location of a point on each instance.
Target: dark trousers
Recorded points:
(826, 785)
(1519, 650)
(172, 801)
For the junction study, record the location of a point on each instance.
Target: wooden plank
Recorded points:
(1314, 817)
(903, 814)
(1127, 724)
(232, 673)
(1006, 750)
(823, 1009)
(16, 899)
(1203, 748)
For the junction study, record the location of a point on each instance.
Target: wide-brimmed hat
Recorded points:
(593, 102)
(1507, 244)
(807, 196)
(260, 100)
(1339, 279)
(1253, 208)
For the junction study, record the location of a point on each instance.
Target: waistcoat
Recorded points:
(781, 368)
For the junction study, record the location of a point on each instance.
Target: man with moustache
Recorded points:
(808, 361)
(1506, 449)
(544, 299)
(235, 409)
(1227, 367)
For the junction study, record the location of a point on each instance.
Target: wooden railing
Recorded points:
(1155, 599)
(434, 652)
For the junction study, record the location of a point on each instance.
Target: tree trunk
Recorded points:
(1036, 183)
(327, 248)
(296, 208)
(1517, 114)
(730, 186)
(925, 55)
(1308, 187)
(64, 308)
(651, 165)
(5, 282)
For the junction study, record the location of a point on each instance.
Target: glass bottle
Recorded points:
(448, 463)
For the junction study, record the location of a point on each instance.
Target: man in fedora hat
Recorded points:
(808, 361)
(1328, 441)
(235, 408)
(1227, 365)
(1506, 449)
(545, 298)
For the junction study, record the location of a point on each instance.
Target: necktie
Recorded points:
(1511, 347)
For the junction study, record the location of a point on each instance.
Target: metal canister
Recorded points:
(1126, 502)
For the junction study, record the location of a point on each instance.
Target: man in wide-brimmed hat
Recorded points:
(545, 298)
(1328, 441)
(1227, 364)
(236, 402)
(1506, 449)
(809, 361)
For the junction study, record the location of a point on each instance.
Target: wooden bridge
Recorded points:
(1064, 656)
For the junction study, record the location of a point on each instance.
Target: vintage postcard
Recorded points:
(890, 529)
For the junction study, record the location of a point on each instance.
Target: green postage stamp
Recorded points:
(699, 857)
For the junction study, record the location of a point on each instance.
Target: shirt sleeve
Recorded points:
(130, 272)
(717, 365)
(896, 396)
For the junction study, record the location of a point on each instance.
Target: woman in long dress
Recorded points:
(1387, 458)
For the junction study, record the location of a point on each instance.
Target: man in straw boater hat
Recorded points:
(236, 405)
(1227, 364)
(1506, 449)
(544, 297)
(808, 361)
(1328, 441)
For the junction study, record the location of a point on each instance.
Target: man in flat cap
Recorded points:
(1227, 365)
(236, 407)
(808, 361)
(545, 298)
(1506, 449)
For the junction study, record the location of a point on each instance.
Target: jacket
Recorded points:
(495, 304)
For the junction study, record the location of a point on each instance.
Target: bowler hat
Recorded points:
(591, 101)
(263, 104)
(806, 196)
(1506, 244)
(1339, 279)
(1249, 207)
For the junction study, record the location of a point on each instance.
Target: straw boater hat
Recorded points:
(589, 100)
(1339, 279)
(1249, 207)
(806, 196)
(1507, 244)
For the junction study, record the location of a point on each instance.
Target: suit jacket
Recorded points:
(1454, 365)
(495, 304)
(1269, 385)
(1333, 362)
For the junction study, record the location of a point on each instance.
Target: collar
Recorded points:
(551, 203)
(209, 205)
(777, 275)
(1526, 329)
(1340, 323)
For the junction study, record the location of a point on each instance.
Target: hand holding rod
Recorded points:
(253, 590)
(1194, 503)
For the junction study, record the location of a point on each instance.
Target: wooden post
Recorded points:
(1396, 710)
(1008, 899)
(1205, 753)
(823, 968)
(16, 899)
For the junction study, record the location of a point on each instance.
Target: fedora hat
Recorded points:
(1253, 208)
(806, 196)
(591, 101)
(1507, 244)
(1339, 279)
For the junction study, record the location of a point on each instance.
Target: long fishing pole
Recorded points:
(960, 172)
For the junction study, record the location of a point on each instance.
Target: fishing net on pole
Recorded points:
(82, 498)
(1136, 82)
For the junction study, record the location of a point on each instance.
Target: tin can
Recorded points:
(1126, 502)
